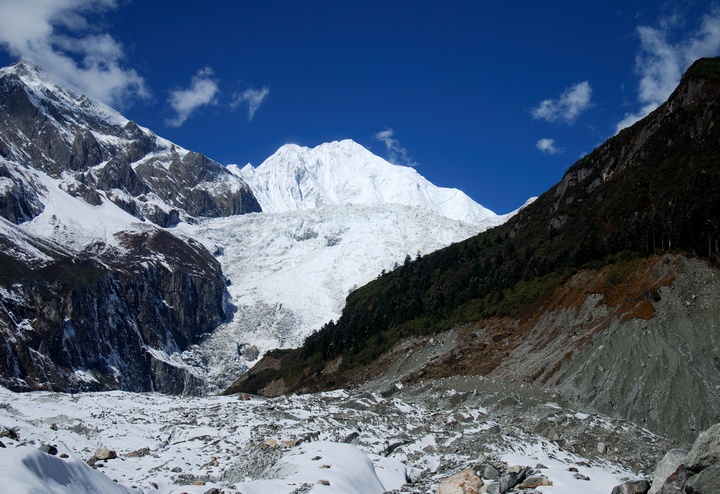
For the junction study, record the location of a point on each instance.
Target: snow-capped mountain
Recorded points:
(92, 283)
(334, 217)
(109, 231)
(101, 156)
(344, 172)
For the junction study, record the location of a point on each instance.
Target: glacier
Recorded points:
(334, 217)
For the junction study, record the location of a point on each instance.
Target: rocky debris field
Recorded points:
(422, 438)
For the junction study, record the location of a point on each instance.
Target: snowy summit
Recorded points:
(344, 172)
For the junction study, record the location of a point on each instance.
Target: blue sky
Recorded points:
(495, 98)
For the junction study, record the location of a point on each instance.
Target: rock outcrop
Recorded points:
(104, 323)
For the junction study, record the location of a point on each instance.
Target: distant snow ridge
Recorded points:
(344, 172)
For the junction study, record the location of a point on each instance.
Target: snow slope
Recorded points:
(344, 172)
(290, 272)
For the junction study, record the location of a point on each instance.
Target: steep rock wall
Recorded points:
(87, 325)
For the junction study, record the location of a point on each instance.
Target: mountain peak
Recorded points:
(344, 172)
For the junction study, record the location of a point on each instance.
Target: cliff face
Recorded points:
(94, 323)
(94, 292)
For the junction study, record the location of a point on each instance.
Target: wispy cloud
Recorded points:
(252, 97)
(661, 62)
(567, 107)
(57, 36)
(548, 146)
(395, 152)
(202, 91)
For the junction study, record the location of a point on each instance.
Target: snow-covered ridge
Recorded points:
(344, 172)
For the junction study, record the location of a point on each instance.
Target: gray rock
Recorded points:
(666, 467)
(490, 472)
(705, 451)
(706, 482)
(493, 488)
(601, 448)
(510, 480)
(632, 487)
(535, 482)
(49, 449)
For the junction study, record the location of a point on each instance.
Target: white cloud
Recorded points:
(202, 91)
(56, 35)
(661, 63)
(253, 97)
(396, 153)
(547, 146)
(571, 103)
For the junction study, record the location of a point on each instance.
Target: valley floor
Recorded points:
(400, 439)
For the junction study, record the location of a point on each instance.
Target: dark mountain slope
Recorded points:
(94, 292)
(653, 188)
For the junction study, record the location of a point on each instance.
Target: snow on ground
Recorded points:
(290, 272)
(335, 442)
(71, 222)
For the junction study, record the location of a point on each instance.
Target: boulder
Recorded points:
(705, 451)
(465, 482)
(706, 482)
(49, 449)
(666, 467)
(105, 454)
(490, 472)
(535, 482)
(632, 487)
(510, 479)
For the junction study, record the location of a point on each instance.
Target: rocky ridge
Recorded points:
(100, 155)
(95, 293)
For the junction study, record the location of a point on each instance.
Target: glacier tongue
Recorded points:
(344, 172)
(290, 272)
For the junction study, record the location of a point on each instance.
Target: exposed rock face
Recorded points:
(99, 152)
(98, 299)
(92, 324)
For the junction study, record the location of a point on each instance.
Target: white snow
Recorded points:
(290, 272)
(344, 172)
(603, 476)
(170, 444)
(74, 224)
(28, 470)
